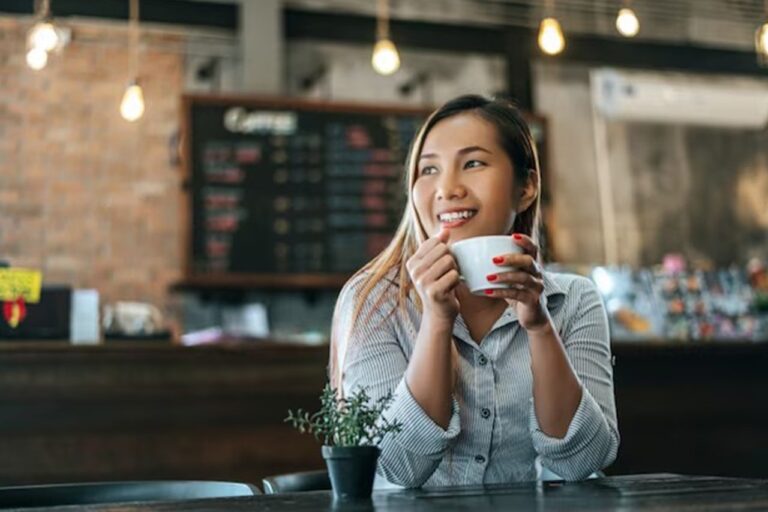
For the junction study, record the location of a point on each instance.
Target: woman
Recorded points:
(484, 385)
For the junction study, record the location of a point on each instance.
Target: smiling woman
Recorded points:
(528, 362)
(455, 177)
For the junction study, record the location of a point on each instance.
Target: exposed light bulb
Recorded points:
(44, 36)
(132, 106)
(37, 58)
(385, 59)
(627, 23)
(551, 40)
(761, 41)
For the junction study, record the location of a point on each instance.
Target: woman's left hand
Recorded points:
(526, 284)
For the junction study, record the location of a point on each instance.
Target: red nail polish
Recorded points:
(491, 277)
(517, 237)
(498, 259)
(489, 292)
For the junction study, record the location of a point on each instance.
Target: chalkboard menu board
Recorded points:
(291, 193)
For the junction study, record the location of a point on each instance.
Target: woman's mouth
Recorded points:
(456, 218)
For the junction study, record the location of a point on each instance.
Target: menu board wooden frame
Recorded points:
(237, 280)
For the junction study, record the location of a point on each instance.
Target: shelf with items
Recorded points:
(727, 305)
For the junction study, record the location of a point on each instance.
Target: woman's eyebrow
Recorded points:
(470, 149)
(462, 151)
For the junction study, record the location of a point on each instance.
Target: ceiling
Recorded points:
(719, 23)
(728, 23)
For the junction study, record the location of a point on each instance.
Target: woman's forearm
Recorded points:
(430, 372)
(556, 390)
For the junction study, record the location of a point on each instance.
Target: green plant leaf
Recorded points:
(348, 421)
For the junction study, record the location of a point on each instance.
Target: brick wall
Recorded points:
(86, 196)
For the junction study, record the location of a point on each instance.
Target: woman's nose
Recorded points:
(450, 186)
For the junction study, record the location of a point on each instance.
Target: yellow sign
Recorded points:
(20, 283)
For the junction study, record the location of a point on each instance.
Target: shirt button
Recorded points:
(482, 360)
(479, 459)
(485, 413)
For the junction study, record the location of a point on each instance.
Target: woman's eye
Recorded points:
(473, 163)
(430, 169)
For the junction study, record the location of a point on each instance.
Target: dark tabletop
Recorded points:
(656, 492)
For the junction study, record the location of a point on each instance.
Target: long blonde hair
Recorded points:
(515, 137)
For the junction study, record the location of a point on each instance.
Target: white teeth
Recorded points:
(454, 216)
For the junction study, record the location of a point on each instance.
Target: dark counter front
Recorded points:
(692, 407)
(128, 411)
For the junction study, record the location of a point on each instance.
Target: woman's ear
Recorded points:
(529, 191)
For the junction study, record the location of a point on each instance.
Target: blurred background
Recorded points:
(186, 185)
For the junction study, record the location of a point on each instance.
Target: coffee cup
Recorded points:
(474, 257)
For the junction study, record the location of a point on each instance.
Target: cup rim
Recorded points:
(476, 238)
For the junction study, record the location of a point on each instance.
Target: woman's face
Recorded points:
(464, 180)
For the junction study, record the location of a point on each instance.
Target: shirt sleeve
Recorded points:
(592, 440)
(372, 357)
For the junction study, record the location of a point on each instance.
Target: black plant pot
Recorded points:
(352, 469)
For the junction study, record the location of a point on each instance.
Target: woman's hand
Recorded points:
(435, 276)
(526, 284)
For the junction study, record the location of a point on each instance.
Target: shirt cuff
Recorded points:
(585, 425)
(420, 434)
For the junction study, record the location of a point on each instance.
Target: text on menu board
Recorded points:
(294, 190)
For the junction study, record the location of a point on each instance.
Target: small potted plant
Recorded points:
(351, 429)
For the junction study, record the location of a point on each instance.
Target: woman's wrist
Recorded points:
(438, 323)
(544, 329)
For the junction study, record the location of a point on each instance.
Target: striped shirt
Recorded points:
(493, 435)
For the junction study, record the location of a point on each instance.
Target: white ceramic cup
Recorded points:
(475, 259)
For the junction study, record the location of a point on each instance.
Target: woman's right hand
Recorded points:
(435, 275)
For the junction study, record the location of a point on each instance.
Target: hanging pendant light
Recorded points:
(42, 37)
(385, 59)
(551, 39)
(132, 106)
(761, 42)
(627, 23)
(37, 58)
(761, 39)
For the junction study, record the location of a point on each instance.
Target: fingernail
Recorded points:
(498, 259)
(489, 292)
(491, 277)
(517, 237)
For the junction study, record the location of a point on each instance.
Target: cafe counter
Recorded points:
(122, 411)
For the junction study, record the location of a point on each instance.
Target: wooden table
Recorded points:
(652, 492)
